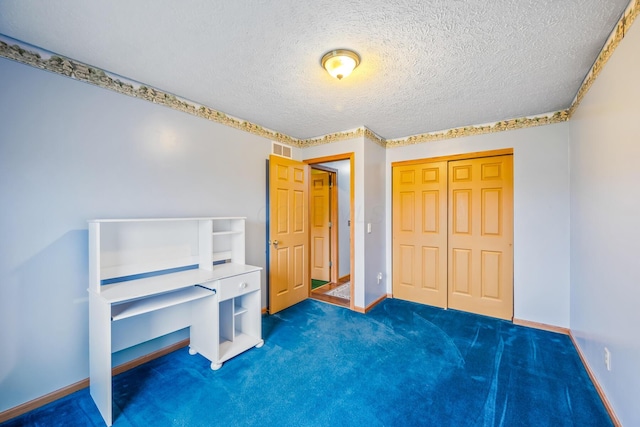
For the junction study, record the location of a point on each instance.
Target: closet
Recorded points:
(453, 232)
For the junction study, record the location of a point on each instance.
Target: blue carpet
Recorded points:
(402, 364)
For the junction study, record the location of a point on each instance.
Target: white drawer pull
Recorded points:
(243, 285)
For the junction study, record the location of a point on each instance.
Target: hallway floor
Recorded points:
(320, 293)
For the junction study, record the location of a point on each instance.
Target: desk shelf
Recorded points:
(158, 302)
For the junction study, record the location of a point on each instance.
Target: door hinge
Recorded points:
(330, 264)
(330, 224)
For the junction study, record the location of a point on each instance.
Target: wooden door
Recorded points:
(288, 233)
(481, 236)
(420, 233)
(320, 229)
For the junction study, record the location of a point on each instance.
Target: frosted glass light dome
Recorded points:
(340, 63)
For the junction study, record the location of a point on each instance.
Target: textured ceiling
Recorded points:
(426, 65)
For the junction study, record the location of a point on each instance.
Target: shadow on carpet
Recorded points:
(402, 364)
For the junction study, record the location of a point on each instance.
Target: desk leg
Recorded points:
(100, 356)
(204, 328)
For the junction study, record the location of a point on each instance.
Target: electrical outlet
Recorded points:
(607, 358)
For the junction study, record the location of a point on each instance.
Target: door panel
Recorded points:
(288, 226)
(431, 207)
(462, 211)
(491, 266)
(481, 236)
(281, 284)
(430, 270)
(491, 209)
(461, 272)
(300, 269)
(406, 211)
(420, 233)
(406, 265)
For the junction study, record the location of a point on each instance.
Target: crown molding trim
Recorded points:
(42, 59)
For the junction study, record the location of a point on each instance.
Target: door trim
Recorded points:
(333, 218)
(463, 156)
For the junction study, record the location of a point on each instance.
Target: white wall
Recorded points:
(69, 152)
(605, 227)
(376, 215)
(541, 213)
(344, 216)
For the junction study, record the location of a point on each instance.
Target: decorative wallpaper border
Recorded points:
(629, 15)
(341, 136)
(511, 124)
(39, 58)
(334, 137)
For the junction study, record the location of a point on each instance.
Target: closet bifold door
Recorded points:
(419, 221)
(480, 274)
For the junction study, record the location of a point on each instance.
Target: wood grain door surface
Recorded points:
(420, 233)
(481, 236)
(288, 233)
(320, 231)
(453, 234)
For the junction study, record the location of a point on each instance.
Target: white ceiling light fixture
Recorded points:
(340, 63)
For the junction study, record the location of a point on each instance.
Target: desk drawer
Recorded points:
(232, 287)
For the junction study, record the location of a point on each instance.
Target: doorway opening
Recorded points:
(331, 248)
